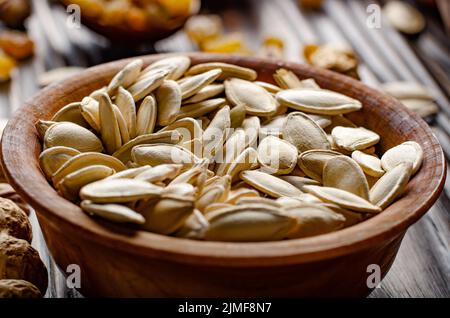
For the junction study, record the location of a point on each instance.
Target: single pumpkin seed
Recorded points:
(370, 164)
(194, 226)
(168, 97)
(42, 126)
(113, 212)
(277, 156)
(205, 93)
(257, 100)
(148, 84)
(391, 185)
(287, 79)
(125, 103)
(228, 70)
(109, 125)
(123, 128)
(314, 219)
(86, 159)
(175, 65)
(299, 182)
(201, 108)
(126, 76)
(72, 135)
(270, 88)
(312, 162)
(160, 173)
(213, 137)
(273, 186)
(53, 158)
(343, 199)
(157, 154)
(235, 196)
(304, 133)
(245, 161)
(192, 85)
(344, 173)
(146, 116)
(90, 112)
(71, 113)
(237, 116)
(248, 223)
(129, 173)
(168, 215)
(318, 101)
(352, 139)
(188, 128)
(71, 184)
(166, 137)
(409, 151)
(119, 191)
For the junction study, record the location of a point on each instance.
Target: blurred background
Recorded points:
(400, 47)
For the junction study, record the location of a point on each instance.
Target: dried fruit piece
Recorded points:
(16, 44)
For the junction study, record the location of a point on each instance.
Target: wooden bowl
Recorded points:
(123, 34)
(121, 262)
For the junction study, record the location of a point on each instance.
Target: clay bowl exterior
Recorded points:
(118, 261)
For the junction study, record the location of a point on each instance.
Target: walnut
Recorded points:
(8, 192)
(18, 260)
(14, 221)
(17, 288)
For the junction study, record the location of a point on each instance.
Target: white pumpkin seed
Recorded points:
(318, 101)
(273, 186)
(257, 100)
(391, 185)
(344, 173)
(370, 164)
(342, 198)
(113, 212)
(228, 70)
(352, 139)
(409, 151)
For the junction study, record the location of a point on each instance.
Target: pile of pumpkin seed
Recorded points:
(208, 152)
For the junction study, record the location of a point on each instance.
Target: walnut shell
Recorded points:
(17, 288)
(14, 221)
(18, 260)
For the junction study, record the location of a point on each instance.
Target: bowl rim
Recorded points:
(20, 138)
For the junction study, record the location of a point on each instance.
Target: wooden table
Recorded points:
(422, 267)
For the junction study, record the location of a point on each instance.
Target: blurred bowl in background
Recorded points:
(135, 20)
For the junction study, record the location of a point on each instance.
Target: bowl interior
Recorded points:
(382, 114)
